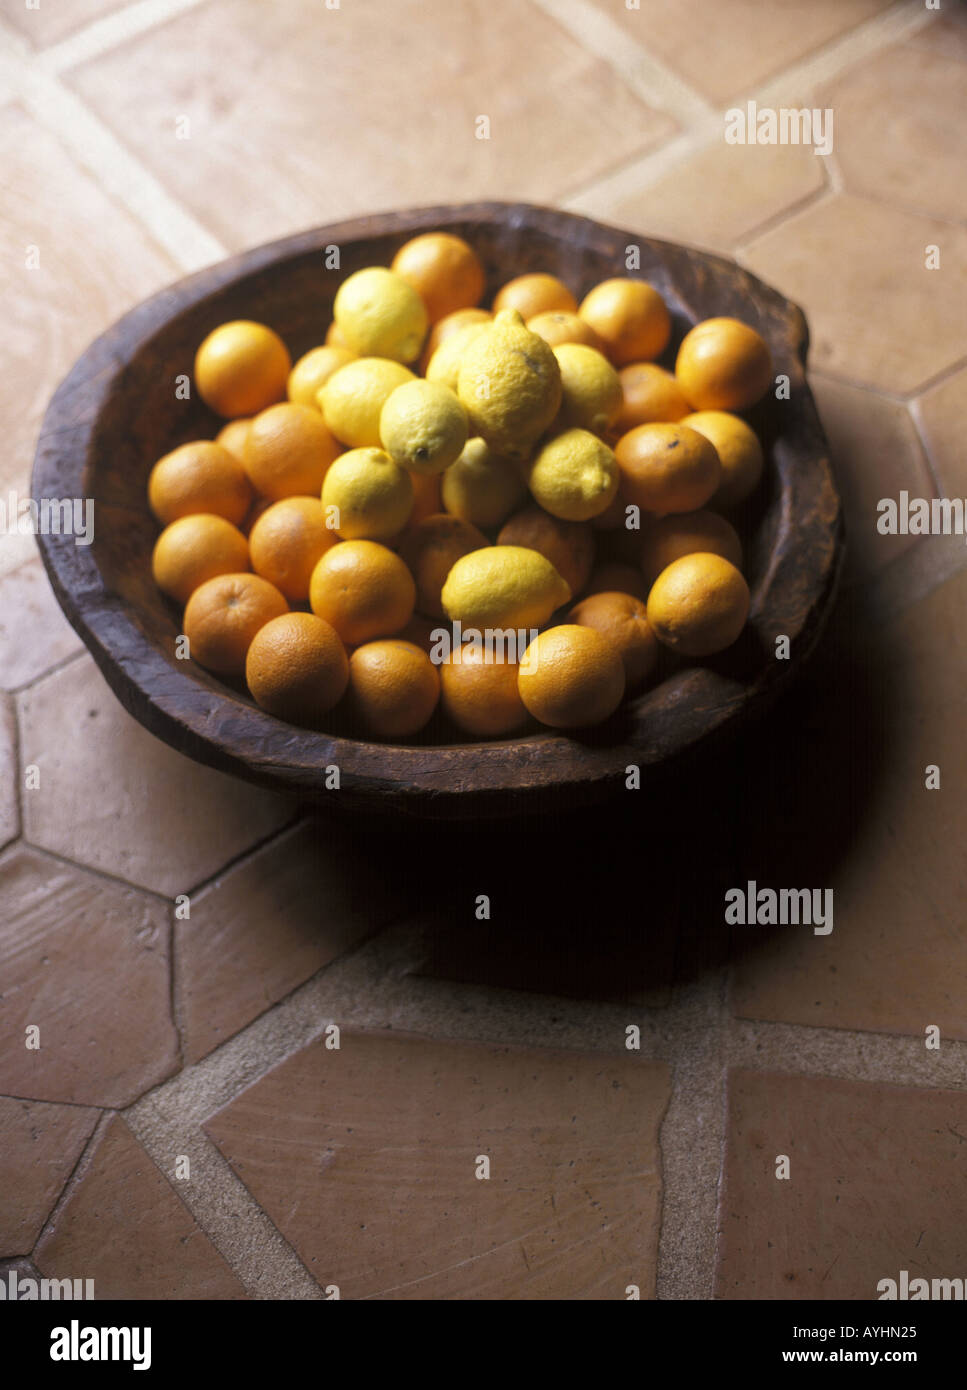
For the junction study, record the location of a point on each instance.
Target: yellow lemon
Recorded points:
(312, 371)
(354, 396)
(373, 496)
(739, 451)
(423, 426)
(482, 486)
(503, 586)
(592, 395)
(510, 383)
(444, 364)
(574, 476)
(379, 314)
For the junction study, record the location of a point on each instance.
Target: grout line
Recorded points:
(825, 193)
(110, 32)
(53, 670)
(658, 85)
(914, 575)
(79, 1169)
(8, 709)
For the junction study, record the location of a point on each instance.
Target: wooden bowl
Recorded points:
(118, 411)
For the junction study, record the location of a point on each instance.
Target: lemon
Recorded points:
(353, 397)
(379, 315)
(503, 586)
(574, 476)
(510, 383)
(444, 365)
(592, 394)
(482, 487)
(423, 426)
(374, 495)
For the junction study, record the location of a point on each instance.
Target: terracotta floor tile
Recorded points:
(726, 49)
(39, 1146)
(844, 805)
(875, 1187)
(263, 928)
(947, 33)
(901, 129)
(9, 772)
(21, 1270)
(94, 262)
(34, 634)
(332, 141)
(877, 315)
(125, 1227)
(114, 797)
(86, 962)
(365, 1160)
(49, 23)
(876, 453)
(720, 195)
(943, 415)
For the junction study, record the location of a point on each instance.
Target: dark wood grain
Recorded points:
(116, 413)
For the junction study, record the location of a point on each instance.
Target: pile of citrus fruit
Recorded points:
(435, 470)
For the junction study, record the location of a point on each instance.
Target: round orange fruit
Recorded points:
(443, 269)
(615, 577)
(623, 620)
(288, 451)
(430, 550)
(559, 326)
(297, 668)
(479, 692)
(232, 436)
(723, 364)
(571, 677)
(194, 549)
(698, 605)
(651, 396)
(446, 327)
(535, 294)
(393, 687)
(690, 533)
(241, 368)
(739, 451)
(224, 614)
(630, 317)
(667, 468)
(287, 542)
(569, 545)
(313, 370)
(199, 477)
(363, 589)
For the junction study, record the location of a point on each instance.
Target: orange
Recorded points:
(288, 451)
(393, 686)
(667, 468)
(535, 294)
(630, 317)
(195, 548)
(287, 542)
(224, 614)
(363, 589)
(431, 549)
(233, 435)
(445, 272)
(569, 545)
(423, 632)
(480, 693)
(571, 676)
(427, 497)
(622, 619)
(698, 605)
(723, 364)
(688, 534)
(651, 396)
(615, 577)
(559, 326)
(297, 668)
(313, 370)
(199, 477)
(446, 327)
(739, 451)
(241, 367)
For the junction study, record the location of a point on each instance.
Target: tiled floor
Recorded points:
(248, 1054)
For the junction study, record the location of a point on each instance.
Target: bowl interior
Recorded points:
(133, 408)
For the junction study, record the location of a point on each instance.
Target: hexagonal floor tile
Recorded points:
(9, 810)
(124, 1226)
(39, 1146)
(943, 415)
(114, 797)
(877, 315)
(369, 1159)
(84, 962)
(34, 634)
